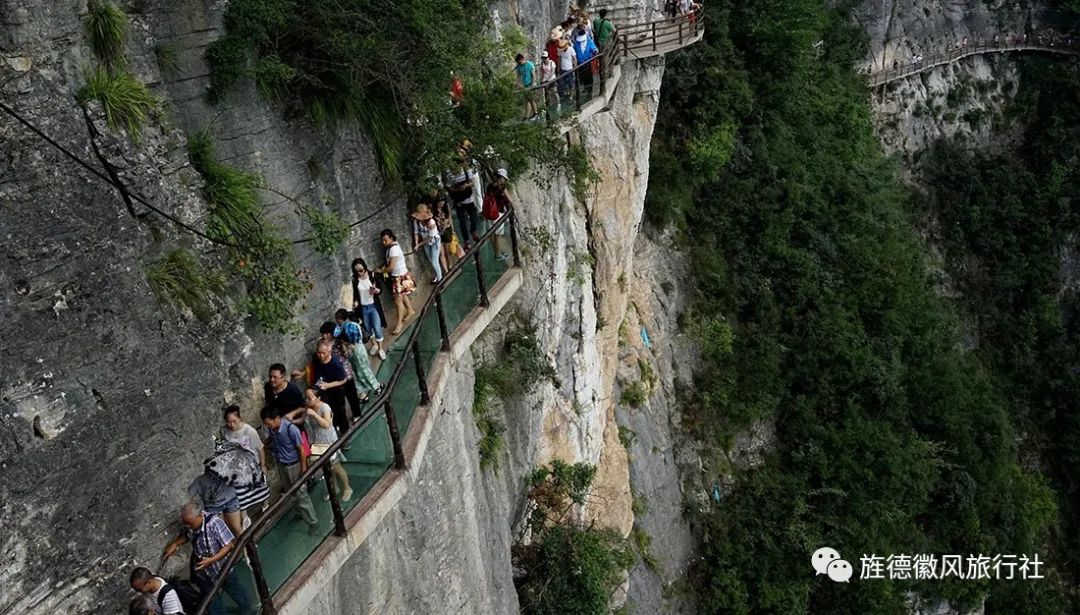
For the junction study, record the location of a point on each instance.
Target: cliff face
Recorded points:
(960, 100)
(109, 397)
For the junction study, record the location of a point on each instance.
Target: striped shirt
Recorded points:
(207, 541)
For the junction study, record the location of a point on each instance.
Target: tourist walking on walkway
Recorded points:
(289, 452)
(426, 237)
(603, 30)
(218, 497)
(318, 418)
(459, 186)
(332, 376)
(401, 281)
(251, 496)
(164, 599)
(348, 333)
(367, 306)
(441, 211)
(585, 49)
(548, 72)
(525, 72)
(568, 61)
(211, 541)
(280, 394)
(552, 45)
(496, 194)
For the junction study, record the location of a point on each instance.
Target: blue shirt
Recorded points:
(351, 331)
(585, 49)
(525, 72)
(286, 443)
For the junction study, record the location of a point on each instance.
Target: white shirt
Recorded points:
(567, 57)
(547, 70)
(363, 288)
(400, 268)
(171, 604)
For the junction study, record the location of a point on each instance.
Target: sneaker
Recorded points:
(373, 351)
(475, 236)
(345, 497)
(382, 355)
(501, 257)
(436, 280)
(326, 498)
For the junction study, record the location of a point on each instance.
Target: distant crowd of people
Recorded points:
(1044, 37)
(577, 41)
(306, 410)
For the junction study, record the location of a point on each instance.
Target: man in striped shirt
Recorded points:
(167, 602)
(211, 542)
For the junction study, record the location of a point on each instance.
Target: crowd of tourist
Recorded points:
(1044, 37)
(307, 409)
(555, 78)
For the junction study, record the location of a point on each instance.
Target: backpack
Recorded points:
(186, 591)
(491, 206)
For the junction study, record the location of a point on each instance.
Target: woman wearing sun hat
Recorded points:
(426, 235)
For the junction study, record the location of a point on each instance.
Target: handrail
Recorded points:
(245, 543)
(624, 41)
(1070, 46)
(669, 30)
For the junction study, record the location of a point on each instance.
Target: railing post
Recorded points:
(335, 503)
(680, 33)
(480, 278)
(625, 46)
(443, 330)
(514, 238)
(653, 28)
(395, 437)
(577, 97)
(261, 587)
(421, 379)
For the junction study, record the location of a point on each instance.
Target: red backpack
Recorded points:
(490, 210)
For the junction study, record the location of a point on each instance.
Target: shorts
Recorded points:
(402, 285)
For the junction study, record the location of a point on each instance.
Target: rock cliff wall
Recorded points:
(963, 99)
(109, 397)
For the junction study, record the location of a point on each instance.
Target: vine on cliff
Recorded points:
(259, 253)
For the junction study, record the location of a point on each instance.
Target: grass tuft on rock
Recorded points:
(107, 29)
(180, 279)
(125, 100)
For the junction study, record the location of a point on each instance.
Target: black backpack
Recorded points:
(186, 591)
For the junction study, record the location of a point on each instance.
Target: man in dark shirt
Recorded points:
(331, 377)
(281, 395)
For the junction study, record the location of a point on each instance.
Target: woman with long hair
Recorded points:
(401, 281)
(366, 305)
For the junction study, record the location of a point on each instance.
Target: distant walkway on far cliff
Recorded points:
(902, 71)
(1045, 32)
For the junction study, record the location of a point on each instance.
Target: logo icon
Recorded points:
(826, 560)
(840, 571)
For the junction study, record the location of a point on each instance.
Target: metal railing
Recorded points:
(571, 89)
(1059, 43)
(658, 36)
(246, 542)
(662, 35)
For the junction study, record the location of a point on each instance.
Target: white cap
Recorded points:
(503, 174)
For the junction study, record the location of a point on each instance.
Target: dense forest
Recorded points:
(906, 420)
